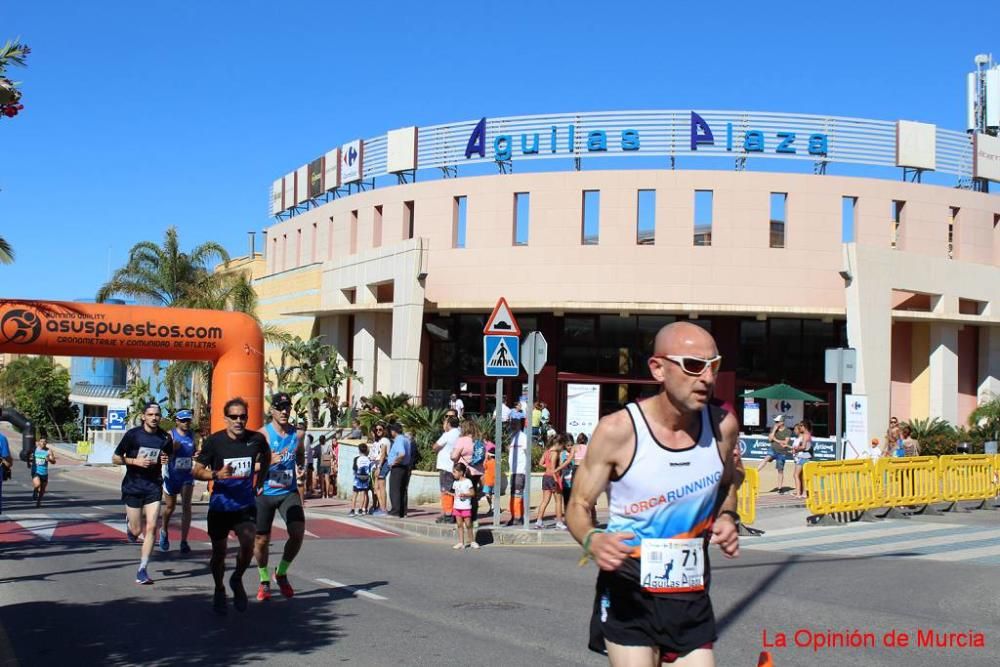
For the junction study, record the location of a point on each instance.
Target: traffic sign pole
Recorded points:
(498, 461)
(531, 443)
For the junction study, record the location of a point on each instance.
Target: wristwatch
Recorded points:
(735, 515)
(215, 475)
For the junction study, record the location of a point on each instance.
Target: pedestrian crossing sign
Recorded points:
(501, 356)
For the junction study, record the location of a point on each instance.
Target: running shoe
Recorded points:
(286, 588)
(219, 602)
(538, 525)
(133, 539)
(239, 593)
(164, 541)
(264, 591)
(351, 513)
(560, 525)
(185, 547)
(34, 494)
(459, 546)
(474, 545)
(380, 513)
(142, 577)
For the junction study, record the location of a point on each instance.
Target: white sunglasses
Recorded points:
(693, 366)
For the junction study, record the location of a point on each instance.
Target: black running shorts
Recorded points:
(221, 523)
(289, 504)
(140, 500)
(627, 615)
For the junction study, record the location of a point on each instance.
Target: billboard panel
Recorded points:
(993, 97)
(401, 145)
(316, 178)
(986, 157)
(351, 158)
(916, 145)
(302, 184)
(331, 169)
(970, 101)
(277, 193)
(289, 196)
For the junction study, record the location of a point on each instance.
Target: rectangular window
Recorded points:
(312, 249)
(408, 220)
(897, 221)
(645, 217)
(952, 227)
(330, 240)
(275, 258)
(284, 252)
(703, 217)
(778, 201)
(354, 232)
(298, 247)
(458, 217)
(522, 212)
(591, 217)
(377, 228)
(848, 218)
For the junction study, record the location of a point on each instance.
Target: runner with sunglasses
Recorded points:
(229, 458)
(672, 476)
(178, 479)
(281, 494)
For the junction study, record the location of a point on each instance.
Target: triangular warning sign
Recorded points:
(502, 358)
(502, 321)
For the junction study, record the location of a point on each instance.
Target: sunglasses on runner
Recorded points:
(238, 418)
(693, 366)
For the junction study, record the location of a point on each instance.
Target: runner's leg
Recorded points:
(169, 505)
(150, 513)
(186, 493)
(632, 656)
(700, 657)
(133, 520)
(218, 562)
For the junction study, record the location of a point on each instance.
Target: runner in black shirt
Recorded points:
(230, 458)
(142, 451)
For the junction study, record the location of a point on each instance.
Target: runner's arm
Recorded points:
(590, 480)
(725, 532)
(52, 456)
(300, 448)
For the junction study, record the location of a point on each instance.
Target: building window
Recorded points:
(778, 202)
(284, 251)
(591, 217)
(354, 232)
(522, 217)
(458, 218)
(952, 227)
(377, 227)
(330, 240)
(407, 219)
(848, 218)
(298, 247)
(897, 221)
(703, 217)
(312, 249)
(275, 258)
(645, 217)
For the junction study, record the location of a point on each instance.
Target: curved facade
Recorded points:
(780, 266)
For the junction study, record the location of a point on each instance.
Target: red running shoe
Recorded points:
(286, 588)
(264, 591)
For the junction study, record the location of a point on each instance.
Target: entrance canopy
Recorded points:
(232, 342)
(782, 392)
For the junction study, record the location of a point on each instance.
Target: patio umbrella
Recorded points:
(781, 392)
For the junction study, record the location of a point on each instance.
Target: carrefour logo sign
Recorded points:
(556, 139)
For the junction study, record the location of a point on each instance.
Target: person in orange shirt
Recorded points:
(489, 474)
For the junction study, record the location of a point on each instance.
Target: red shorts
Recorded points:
(669, 656)
(462, 514)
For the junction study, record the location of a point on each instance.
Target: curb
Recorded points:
(487, 535)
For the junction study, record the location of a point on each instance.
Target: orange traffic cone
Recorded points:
(765, 660)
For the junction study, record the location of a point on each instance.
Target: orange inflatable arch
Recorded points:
(232, 342)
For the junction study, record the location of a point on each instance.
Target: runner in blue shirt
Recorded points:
(41, 458)
(6, 463)
(178, 478)
(229, 458)
(281, 494)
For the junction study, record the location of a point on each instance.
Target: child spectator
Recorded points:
(462, 511)
(489, 474)
(362, 481)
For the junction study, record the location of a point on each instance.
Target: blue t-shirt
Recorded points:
(179, 468)
(281, 473)
(241, 455)
(400, 445)
(41, 462)
(137, 444)
(4, 451)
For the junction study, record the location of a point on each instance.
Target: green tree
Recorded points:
(39, 389)
(985, 419)
(313, 376)
(6, 252)
(12, 53)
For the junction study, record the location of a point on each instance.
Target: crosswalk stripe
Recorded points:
(902, 527)
(919, 543)
(978, 552)
(43, 528)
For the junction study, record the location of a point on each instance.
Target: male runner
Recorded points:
(228, 458)
(179, 480)
(41, 458)
(143, 450)
(6, 463)
(280, 494)
(673, 484)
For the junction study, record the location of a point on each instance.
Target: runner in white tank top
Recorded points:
(672, 475)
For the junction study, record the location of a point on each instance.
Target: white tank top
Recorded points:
(666, 493)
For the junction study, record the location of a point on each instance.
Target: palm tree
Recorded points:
(6, 252)
(11, 53)
(164, 275)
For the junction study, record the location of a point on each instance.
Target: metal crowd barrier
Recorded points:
(748, 497)
(839, 486)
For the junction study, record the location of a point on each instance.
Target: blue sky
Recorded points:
(143, 115)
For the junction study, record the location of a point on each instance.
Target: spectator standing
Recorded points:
(489, 475)
(550, 483)
(356, 432)
(874, 452)
(779, 438)
(517, 415)
(504, 411)
(464, 493)
(445, 465)
(520, 466)
(456, 404)
(470, 450)
(379, 456)
(546, 417)
(893, 438)
(362, 481)
(803, 454)
(400, 456)
(536, 423)
(911, 446)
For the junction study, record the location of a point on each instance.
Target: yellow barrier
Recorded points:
(996, 475)
(907, 481)
(966, 477)
(840, 486)
(747, 507)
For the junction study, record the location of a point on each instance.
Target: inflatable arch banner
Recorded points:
(232, 342)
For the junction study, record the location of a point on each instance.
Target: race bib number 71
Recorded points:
(672, 566)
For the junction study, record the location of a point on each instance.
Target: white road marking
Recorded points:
(357, 591)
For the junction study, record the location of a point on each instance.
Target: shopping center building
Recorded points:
(782, 234)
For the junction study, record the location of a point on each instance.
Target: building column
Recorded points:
(944, 371)
(363, 362)
(989, 363)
